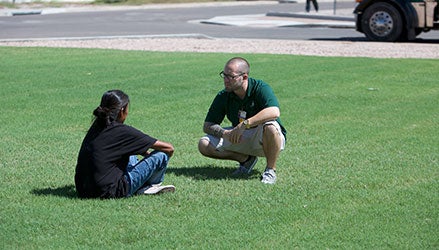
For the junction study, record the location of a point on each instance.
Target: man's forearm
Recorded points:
(213, 129)
(265, 115)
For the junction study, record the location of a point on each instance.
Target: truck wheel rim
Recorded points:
(381, 23)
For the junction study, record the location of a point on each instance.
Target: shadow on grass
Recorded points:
(208, 173)
(67, 191)
(197, 173)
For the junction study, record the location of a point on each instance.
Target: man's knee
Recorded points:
(203, 146)
(270, 130)
(272, 135)
(161, 157)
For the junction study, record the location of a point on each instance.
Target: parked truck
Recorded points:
(396, 20)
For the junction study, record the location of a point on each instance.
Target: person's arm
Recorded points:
(215, 116)
(213, 129)
(265, 115)
(164, 147)
(217, 131)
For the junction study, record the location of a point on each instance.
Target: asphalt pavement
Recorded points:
(336, 18)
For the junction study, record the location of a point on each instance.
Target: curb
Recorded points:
(24, 12)
(311, 16)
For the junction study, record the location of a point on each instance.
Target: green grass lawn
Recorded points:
(360, 170)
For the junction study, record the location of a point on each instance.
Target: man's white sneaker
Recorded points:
(269, 176)
(156, 189)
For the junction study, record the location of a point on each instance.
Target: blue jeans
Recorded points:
(150, 170)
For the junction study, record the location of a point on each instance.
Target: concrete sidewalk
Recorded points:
(344, 18)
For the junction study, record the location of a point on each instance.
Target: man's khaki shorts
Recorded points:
(251, 141)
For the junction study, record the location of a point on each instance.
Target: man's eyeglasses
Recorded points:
(230, 77)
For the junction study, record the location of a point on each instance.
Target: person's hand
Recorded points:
(234, 135)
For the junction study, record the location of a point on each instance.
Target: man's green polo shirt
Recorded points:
(259, 96)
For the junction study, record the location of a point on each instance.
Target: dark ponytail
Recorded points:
(112, 103)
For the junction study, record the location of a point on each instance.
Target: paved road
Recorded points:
(187, 19)
(221, 20)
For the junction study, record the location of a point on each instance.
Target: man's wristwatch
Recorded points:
(246, 124)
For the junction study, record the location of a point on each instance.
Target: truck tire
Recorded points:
(382, 22)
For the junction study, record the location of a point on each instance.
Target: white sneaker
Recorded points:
(269, 176)
(156, 189)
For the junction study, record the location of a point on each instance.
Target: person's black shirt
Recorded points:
(103, 159)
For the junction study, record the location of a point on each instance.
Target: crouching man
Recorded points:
(253, 109)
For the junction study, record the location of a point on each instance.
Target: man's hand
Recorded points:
(234, 135)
